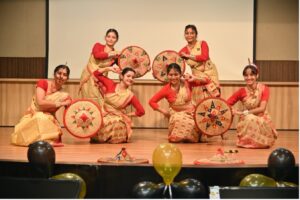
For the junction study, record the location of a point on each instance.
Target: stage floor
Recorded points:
(144, 141)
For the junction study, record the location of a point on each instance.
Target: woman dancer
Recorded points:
(39, 122)
(178, 93)
(196, 54)
(117, 96)
(101, 56)
(255, 128)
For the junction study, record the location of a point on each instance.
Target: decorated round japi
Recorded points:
(83, 118)
(213, 116)
(161, 62)
(136, 58)
(123, 157)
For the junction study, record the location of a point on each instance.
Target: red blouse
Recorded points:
(204, 56)
(98, 51)
(110, 87)
(168, 93)
(241, 94)
(43, 83)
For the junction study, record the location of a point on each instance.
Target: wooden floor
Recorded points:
(144, 141)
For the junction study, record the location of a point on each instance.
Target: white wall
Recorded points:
(156, 25)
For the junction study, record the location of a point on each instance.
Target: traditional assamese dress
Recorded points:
(254, 131)
(98, 59)
(38, 125)
(116, 124)
(201, 52)
(182, 126)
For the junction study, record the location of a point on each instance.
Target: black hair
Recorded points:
(113, 31)
(174, 66)
(191, 26)
(62, 67)
(253, 69)
(127, 69)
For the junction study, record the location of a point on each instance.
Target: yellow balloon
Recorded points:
(71, 176)
(167, 161)
(257, 180)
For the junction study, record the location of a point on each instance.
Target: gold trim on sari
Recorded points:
(182, 126)
(255, 131)
(116, 124)
(88, 88)
(206, 70)
(36, 125)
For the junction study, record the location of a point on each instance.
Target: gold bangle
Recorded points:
(245, 112)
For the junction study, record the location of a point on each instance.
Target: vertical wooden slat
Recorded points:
(278, 71)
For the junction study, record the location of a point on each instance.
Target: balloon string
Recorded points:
(165, 189)
(170, 192)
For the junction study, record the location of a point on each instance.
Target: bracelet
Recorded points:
(245, 112)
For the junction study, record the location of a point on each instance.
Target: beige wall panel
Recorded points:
(277, 30)
(15, 97)
(23, 29)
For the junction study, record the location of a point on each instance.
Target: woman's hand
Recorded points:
(67, 102)
(166, 114)
(236, 112)
(115, 69)
(187, 56)
(184, 55)
(188, 77)
(113, 54)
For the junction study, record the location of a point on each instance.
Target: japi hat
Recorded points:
(123, 157)
(83, 118)
(136, 58)
(162, 61)
(213, 116)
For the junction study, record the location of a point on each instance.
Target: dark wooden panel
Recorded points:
(278, 70)
(22, 67)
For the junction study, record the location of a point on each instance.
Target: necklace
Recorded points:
(191, 45)
(252, 90)
(176, 87)
(53, 87)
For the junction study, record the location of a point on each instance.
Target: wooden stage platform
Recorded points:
(117, 180)
(144, 141)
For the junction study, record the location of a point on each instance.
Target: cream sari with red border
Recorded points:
(205, 69)
(181, 123)
(116, 124)
(88, 88)
(36, 125)
(255, 131)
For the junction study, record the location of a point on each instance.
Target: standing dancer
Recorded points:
(102, 56)
(196, 54)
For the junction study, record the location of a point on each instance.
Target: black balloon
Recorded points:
(189, 188)
(147, 189)
(41, 157)
(280, 163)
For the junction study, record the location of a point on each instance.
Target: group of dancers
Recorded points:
(182, 91)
